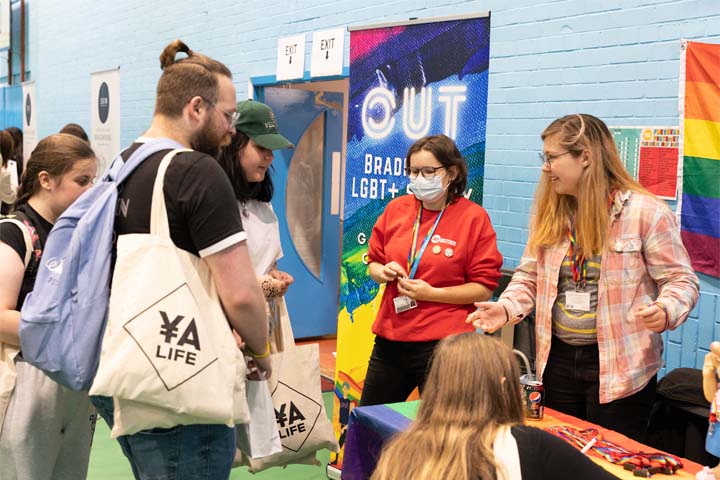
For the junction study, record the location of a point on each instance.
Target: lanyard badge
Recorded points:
(579, 300)
(403, 303)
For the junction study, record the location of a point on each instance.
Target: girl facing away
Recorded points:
(470, 423)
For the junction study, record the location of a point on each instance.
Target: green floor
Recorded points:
(108, 463)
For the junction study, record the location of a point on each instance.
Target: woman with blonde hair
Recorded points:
(605, 271)
(470, 423)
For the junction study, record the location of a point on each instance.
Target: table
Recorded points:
(370, 427)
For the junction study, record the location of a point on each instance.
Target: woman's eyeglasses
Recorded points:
(426, 172)
(548, 159)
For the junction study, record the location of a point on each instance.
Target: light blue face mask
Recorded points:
(427, 190)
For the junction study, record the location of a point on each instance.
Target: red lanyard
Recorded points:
(579, 265)
(646, 463)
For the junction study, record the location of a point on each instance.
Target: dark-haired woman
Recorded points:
(246, 161)
(47, 428)
(436, 253)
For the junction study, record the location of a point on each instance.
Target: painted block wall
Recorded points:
(617, 59)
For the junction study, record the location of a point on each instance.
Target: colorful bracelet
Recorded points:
(268, 288)
(265, 354)
(662, 307)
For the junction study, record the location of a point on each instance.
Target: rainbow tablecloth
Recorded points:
(371, 427)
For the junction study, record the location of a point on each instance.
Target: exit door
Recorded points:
(307, 202)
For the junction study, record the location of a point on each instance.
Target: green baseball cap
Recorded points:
(258, 122)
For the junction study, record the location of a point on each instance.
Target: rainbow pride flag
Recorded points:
(700, 200)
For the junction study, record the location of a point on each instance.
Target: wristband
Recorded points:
(662, 307)
(265, 354)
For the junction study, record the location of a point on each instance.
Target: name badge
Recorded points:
(578, 301)
(403, 303)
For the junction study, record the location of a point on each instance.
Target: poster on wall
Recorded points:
(29, 115)
(105, 115)
(406, 81)
(4, 24)
(699, 204)
(651, 156)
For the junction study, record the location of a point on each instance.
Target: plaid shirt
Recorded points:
(644, 260)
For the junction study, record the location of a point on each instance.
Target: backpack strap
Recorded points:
(119, 169)
(33, 247)
(26, 237)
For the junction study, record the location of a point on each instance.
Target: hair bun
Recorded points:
(167, 57)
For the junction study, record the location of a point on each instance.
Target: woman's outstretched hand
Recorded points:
(489, 316)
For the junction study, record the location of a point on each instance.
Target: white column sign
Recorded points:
(4, 24)
(327, 53)
(291, 58)
(29, 120)
(105, 115)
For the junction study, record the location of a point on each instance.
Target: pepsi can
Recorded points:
(534, 396)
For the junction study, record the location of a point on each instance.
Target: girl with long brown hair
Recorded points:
(470, 423)
(47, 428)
(605, 271)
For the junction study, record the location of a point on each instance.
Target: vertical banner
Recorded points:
(4, 24)
(406, 81)
(29, 115)
(105, 115)
(699, 204)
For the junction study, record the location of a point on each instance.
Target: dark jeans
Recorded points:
(395, 369)
(572, 381)
(184, 452)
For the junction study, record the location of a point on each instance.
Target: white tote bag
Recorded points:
(168, 348)
(297, 398)
(259, 437)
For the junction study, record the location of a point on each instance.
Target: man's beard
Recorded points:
(208, 140)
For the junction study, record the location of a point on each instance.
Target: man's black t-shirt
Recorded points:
(202, 211)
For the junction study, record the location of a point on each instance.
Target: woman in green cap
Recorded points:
(246, 161)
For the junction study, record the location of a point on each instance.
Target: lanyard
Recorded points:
(414, 255)
(579, 265)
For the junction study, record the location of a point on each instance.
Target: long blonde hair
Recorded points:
(472, 389)
(605, 173)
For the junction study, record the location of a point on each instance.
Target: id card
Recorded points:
(403, 303)
(578, 301)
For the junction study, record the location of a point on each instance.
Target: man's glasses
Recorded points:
(548, 159)
(231, 117)
(426, 172)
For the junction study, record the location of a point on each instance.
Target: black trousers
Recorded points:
(395, 369)
(572, 386)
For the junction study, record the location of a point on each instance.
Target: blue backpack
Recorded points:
(62, 321)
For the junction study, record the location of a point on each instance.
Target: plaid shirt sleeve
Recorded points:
(668, 263)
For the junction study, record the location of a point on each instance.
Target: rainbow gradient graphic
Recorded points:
(700, 201)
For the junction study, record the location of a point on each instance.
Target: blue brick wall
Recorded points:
(617, 59)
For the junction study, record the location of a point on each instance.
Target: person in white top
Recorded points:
(8, 172)
(246, 161)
